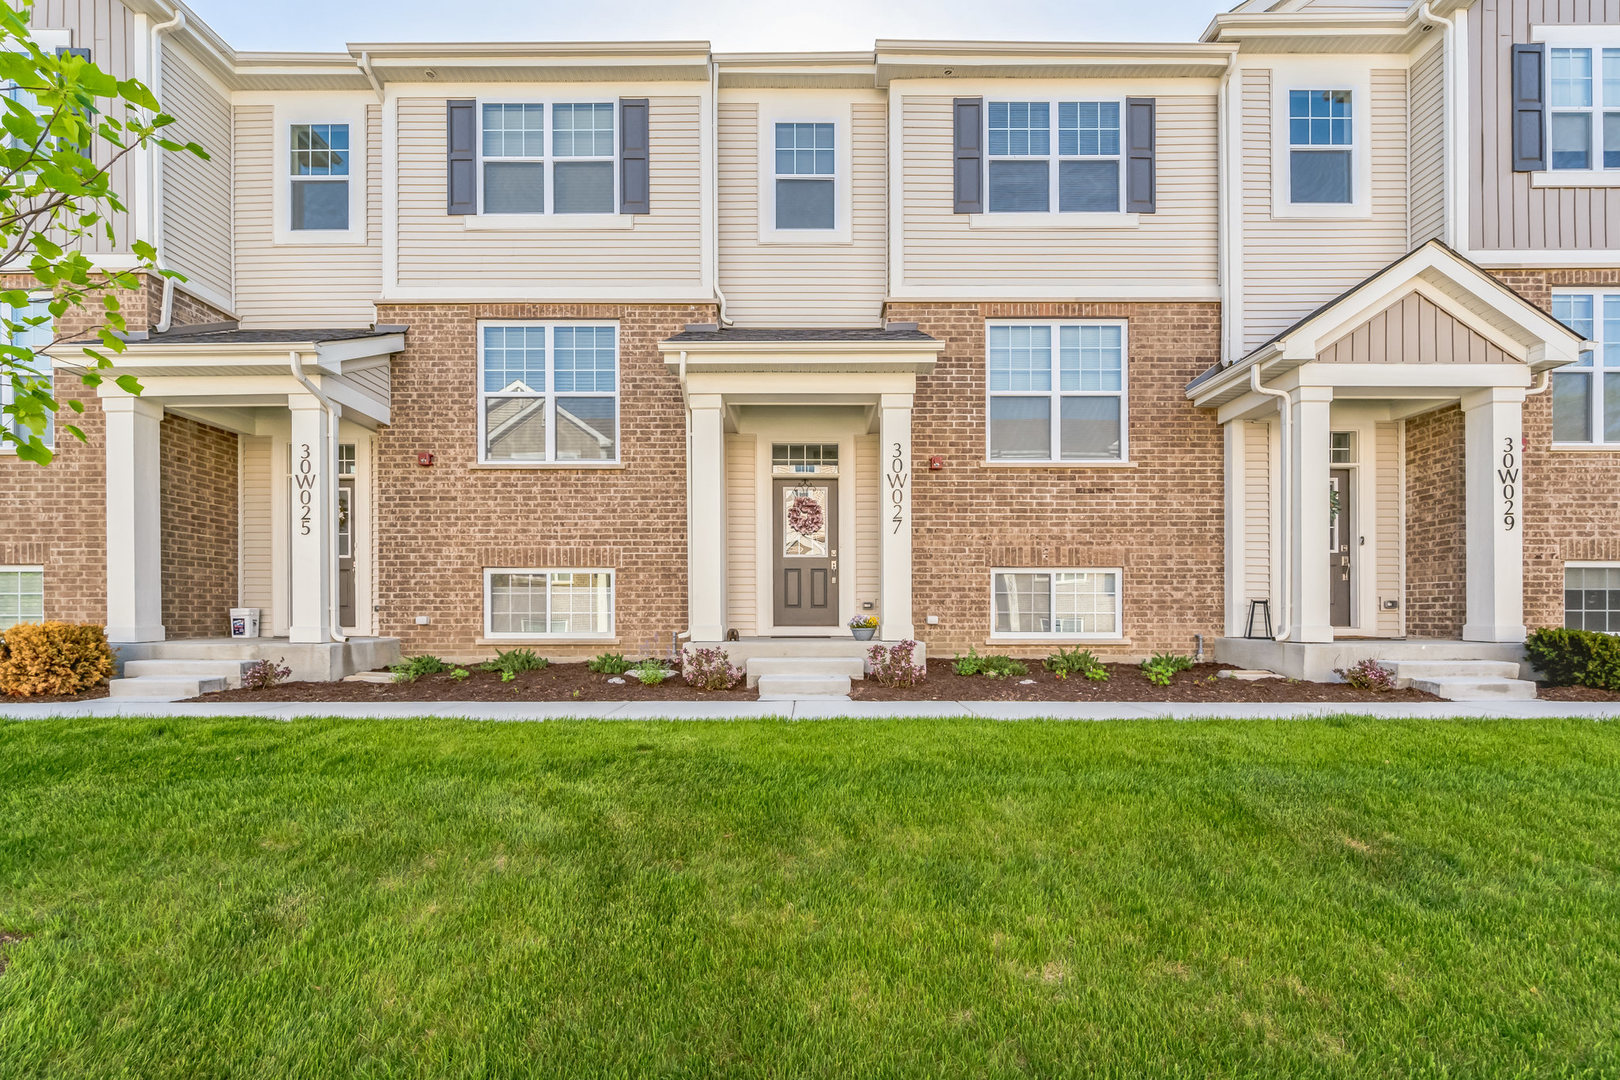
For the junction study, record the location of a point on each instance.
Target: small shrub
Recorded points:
(1160, 668)
(1066, 662)
(1575, 657)
(896, 665)
(650, 672)
(265, 674)
(53, 658)
(609, 663)
(991, 667)
(1368, 674)
(459, 673)
(510, 664)
(709, 669)
(414, 667)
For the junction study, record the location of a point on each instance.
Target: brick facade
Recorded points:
(1436, 538)
(199, 469)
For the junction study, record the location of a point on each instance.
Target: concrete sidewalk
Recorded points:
(814, 709)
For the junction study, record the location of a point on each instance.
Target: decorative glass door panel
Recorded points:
(806, 590)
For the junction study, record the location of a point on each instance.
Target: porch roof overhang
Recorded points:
(1528, 337)
(802, 351)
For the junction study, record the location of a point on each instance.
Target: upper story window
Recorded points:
(1025, 176)
(1586, 394)
(320, 176)
(548, 392)
(29, 326)
(806, 171)
(1057, 391)
(520, 176)
(1584, 108)
(1321, 147)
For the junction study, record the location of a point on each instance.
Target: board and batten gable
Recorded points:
(654, 256)
(197, 192)
(940, 254)
(1506, 211)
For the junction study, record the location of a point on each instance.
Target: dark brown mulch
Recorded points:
(1575, 693)
(47, 699)
(1125, 682)
(558, 682)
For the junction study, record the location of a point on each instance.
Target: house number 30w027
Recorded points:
(898, 478)
(304, 479)
(1508, 476)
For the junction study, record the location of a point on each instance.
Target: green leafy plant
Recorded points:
(609, 663)
(650, 672)
(459, 673)
(1575, 657)
(863, 622)
(1160, 668)
(512, 663)
(414, 667)
(991, 667)
(1066, 662)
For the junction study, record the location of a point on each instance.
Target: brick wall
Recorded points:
(439, 527)
(1436, 541)
(199, 527)
(1160, 521)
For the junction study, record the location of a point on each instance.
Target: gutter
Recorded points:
(1285, 439)
(332, 617)
(1228, 212)
(154, 166)
(364, 61)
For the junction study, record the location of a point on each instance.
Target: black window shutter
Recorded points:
(969, 149)
(1141, 187)
(461, 157)
(635, 175)
(1529, 108)
(82, 54)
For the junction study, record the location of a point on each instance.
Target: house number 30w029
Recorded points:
(304, 479)
(898, 478)
(1508, 476)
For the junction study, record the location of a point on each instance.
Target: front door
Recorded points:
(345, 552)
(1341, 545)
(806, 563)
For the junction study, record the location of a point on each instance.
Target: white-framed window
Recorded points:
(1085, 174)
(1056, 391)
(530, 603)
(1592, 597)
(1321, 147)
(1586, 394)
(574, 171)
(1081, 603)
(548, 392)
(318, 185)
(1583, 108)
(30, 327)
(22, 595)
(806, 175)
(319, 163)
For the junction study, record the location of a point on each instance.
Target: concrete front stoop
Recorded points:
(788, 678)
(1464, 680)
(172, 680)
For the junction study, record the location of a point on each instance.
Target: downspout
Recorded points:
(714, 197)
(1284, 440)
(686, 408)
(371, 76)
(1227, 218)
(1448, 100)
(1544, 380)
(154, 167)
(332, 617)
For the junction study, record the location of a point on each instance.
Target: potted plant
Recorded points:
(863, 627)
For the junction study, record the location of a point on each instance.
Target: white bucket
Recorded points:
(244, 622)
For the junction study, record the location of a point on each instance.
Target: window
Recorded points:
(1342, 448)
(1056, 603)
(548, 392)
(1320, 146)
(798, 459)
(320, 176)
(1583, 98)
(1056, 391)
(1586, 394)
(1026, 177)
(805, 194)
(22, 595)
(580, 171)
(30, 327)
(1592, 597)
(540, 603)
(346, 459)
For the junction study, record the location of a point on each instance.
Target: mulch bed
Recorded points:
(1575, 693)
(49, 699)
(557, 682)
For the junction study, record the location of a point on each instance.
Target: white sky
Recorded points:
(732, 25)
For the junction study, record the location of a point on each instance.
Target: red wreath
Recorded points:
(804, 516)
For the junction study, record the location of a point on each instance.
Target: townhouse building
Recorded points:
(1297, 343)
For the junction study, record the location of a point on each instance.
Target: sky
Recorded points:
(731, 25)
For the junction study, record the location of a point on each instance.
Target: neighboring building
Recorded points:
(587, 346)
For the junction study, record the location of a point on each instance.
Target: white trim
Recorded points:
(1043, 293)
(571, 294)
(612, 612)
(24, 568)
(1055, 394)
(1577, 564)
(835, 107)
(347, 109)
(1052, 572)
(1593, 38)
(549, 395)
(1068, 219)
(1538, 258)
(1322, 73)
(520, 222)
(1597, 372)
(547, 161)
(1054, 159)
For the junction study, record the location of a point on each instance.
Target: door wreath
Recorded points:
(805, 516)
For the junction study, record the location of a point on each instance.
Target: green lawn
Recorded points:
(445, 898)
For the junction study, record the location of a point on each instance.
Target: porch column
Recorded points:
(706, 532)
(894, 463)
(1309, 584)
(1493, 442)
(134, 519)
(1233, 433)
(310, 523)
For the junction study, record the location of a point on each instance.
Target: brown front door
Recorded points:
(806, 561)
(345, 546)
(1341, 545)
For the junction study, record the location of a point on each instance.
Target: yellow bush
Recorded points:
(53, 658)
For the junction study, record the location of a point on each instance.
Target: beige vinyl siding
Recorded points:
(661, 252)
(197, 193)
(300, 284)
(1257, 511)
(1292, 266)
(1504, 210)
(868, 523)
(1426, 137)
(254, 534)
(1177, 246)
(1413, 330)
(1390, 531)
(800, 284)
(742, 582)
(375, 380)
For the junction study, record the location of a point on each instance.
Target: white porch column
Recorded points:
(894, 517)
(134, 519)
(1233, 433)
(1309, 585)
(309, 522)
(1493, 447)
(706, 532)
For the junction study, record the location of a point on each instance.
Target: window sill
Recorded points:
(508, 465)
(1047, 639)
(1575, 178)
(822, 237)
(547, 639)
(1059, 464)
(319, 238)
(1586, 448)
(523, 222)
(1060, 220)
(1320, 212)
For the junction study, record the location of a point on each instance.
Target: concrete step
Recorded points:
(164, 687)
(790, 687)
(229, 670)
(850, 667)
(1407, 670)
(1459, 688)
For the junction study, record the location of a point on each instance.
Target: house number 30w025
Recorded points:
(1508, 476)
(898, 478)
(304, 479)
